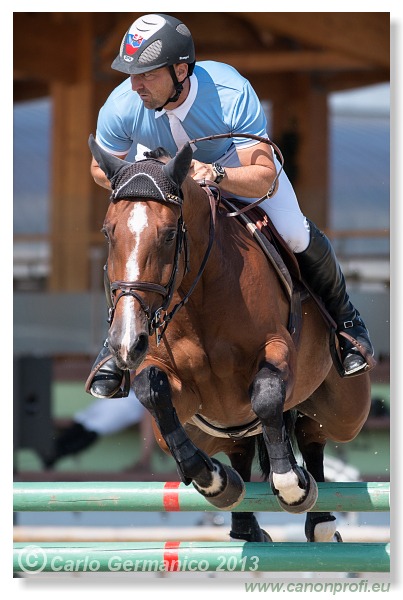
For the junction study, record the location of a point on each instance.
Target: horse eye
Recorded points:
(170, 237)
(103, 230)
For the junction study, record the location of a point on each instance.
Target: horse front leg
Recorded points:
(295, 488)
(220, 484)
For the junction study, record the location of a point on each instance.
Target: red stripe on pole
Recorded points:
(171, 556)
(171, 496)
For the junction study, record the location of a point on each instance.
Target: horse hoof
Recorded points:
(260, 536)
(309, 499)
(246, 528)
(266, 536)
(231, 488)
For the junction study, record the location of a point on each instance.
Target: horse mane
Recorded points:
(158, 153)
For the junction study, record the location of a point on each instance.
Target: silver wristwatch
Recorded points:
(218, 171)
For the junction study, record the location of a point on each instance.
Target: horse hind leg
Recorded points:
(319, 526)
(244, 525)
(295, 488)
(220, 484)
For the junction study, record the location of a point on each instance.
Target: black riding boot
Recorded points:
(106, 377)
(321, 271)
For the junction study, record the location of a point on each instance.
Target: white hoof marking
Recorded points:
(216, 485)
(288, 488)
(324, 532)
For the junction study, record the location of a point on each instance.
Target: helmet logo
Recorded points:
(133, 43)
(141, 31)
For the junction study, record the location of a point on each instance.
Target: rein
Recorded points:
(157, 322)
(271, 191)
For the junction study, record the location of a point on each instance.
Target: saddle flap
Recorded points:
(265, 225)
(262, 229)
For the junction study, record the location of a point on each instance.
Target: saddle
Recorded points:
(262, 229)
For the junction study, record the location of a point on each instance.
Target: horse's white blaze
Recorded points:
(137, 223)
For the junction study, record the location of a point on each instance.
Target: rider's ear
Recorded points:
(110, 165)
(181, 71)
(177, 168)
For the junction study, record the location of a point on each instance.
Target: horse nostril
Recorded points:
(142, 343)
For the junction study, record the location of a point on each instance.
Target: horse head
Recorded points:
(145, 232)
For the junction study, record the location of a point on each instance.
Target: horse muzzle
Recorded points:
(128, 355)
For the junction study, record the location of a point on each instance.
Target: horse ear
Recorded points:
(110, 165)
(177, 168)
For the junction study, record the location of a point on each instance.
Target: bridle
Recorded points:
(159, 319)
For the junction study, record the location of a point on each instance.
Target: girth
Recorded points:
(234, 433)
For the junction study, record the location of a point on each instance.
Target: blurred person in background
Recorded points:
(104, 417)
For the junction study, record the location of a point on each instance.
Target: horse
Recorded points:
(199, 314)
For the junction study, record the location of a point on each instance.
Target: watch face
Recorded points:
(219, 171)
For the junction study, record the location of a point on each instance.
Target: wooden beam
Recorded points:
(361, 35)
(45, 46)
(293, 61)
(339, 82)
(70, 187)
(73, 119)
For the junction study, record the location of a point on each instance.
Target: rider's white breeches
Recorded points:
(283, 209)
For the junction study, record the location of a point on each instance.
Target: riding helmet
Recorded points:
(155, 41)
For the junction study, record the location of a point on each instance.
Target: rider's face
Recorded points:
(153, 87)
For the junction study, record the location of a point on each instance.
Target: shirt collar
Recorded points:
(182, 110)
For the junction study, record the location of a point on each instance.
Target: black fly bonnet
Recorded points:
(145, 179)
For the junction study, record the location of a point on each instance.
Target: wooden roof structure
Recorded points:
(293, 60)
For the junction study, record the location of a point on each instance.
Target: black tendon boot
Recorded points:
(321, 270)
(105, 378)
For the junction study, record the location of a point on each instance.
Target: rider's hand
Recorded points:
(199, 170)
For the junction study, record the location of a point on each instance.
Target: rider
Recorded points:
(166, 101)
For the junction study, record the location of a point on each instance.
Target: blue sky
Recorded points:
(374, 97)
